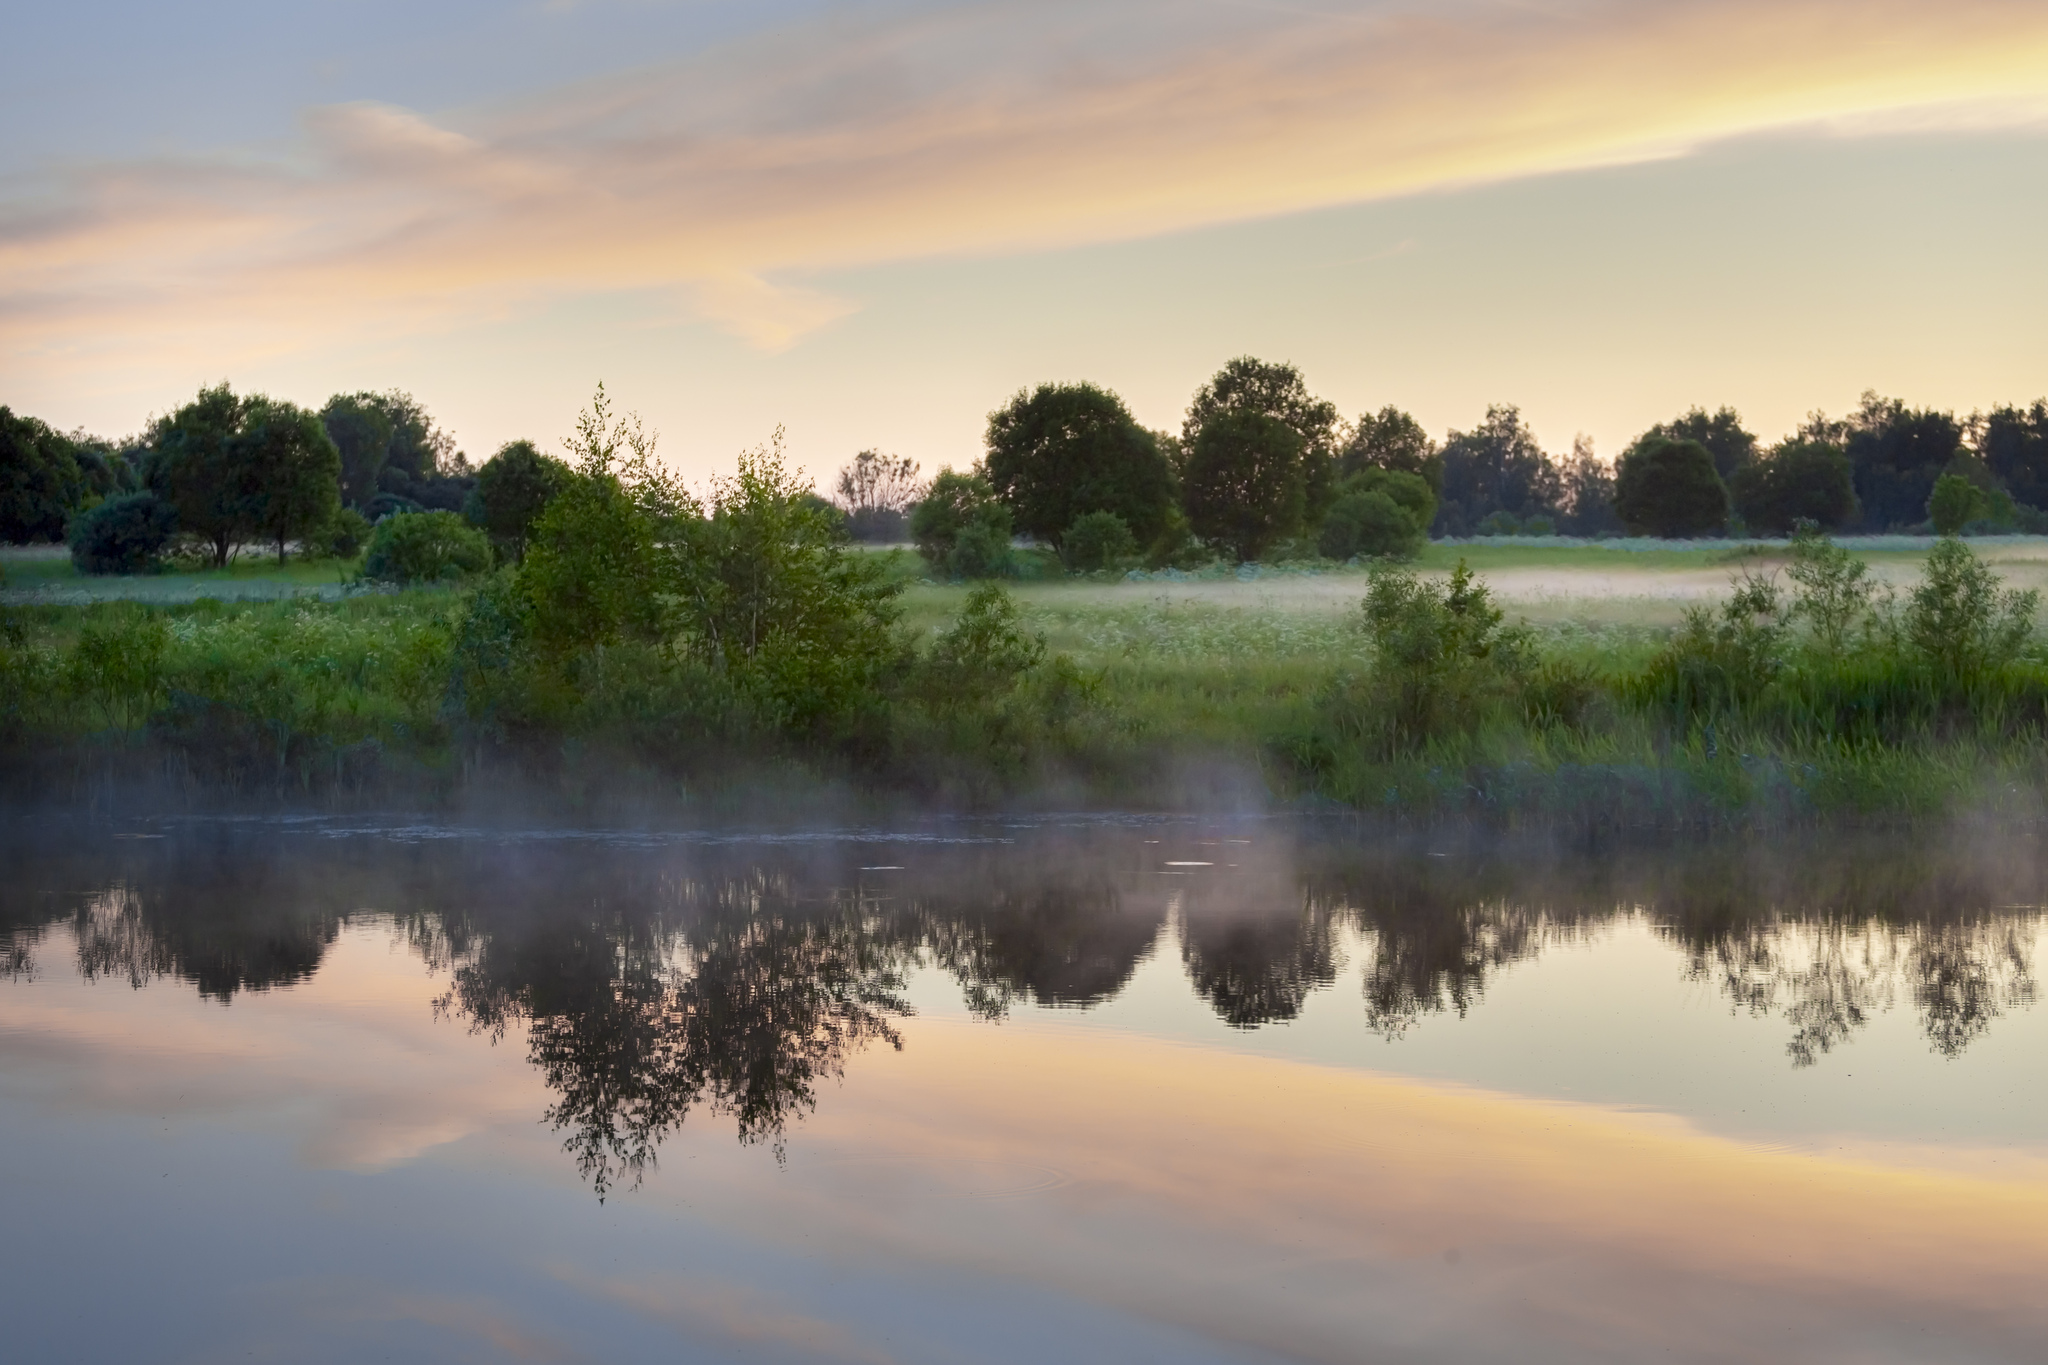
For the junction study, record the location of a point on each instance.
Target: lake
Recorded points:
(1089, 1088)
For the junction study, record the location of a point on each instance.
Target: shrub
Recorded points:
(346, 534)
(1097, 540)
(1958, 620)
(1955, 503)
(425, 547)
(1834, 589)
(1443, 660)
(1721, 661)
(124, 534)
(953, 505)
(117, 664)
(1664, 487)
(986, 652)
(1368, 524)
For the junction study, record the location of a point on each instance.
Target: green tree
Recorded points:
(2014, 444)
(1664, 487)
(1721, 432)
(1063, 450)
(1391, 439)
(1897, 453)
(1587, 505)
(956, 506)
(1498, 466)
(361, 431)
(1960, 620)
(40, 481)
(294, 467)
(1246, 489)
(1954, 503)
(197, 465)
(1248, 385)
(1796, 481)
(1380, 513)
(1097, 540)
(511, 490)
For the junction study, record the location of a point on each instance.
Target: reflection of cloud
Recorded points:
(751, 1320)
(1311, 1211)
(995, 127)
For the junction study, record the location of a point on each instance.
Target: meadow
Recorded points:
(1622, 683)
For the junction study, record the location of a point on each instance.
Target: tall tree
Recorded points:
(1246, 486)
(196, 464)
(1721, 433)
(512, 489)
(1588, 500)
(876, 492)
(2013, 441)
(1391, 439)
(1796, 481)
(1664, 487)
(1498, 466)
(40, 481)
(1064, 450)
(295, 469)
(1279, 392)
(1897, 453)
(361, 430)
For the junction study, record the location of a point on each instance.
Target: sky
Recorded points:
(869, 224)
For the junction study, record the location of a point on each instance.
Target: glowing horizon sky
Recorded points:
(872, 223)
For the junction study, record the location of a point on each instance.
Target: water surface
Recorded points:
(1094, 1089)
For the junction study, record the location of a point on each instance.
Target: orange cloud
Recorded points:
(1004, 127)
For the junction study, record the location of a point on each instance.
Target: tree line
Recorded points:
(1259, 468)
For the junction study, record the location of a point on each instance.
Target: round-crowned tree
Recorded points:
(1064, 450)
(1245, 487)
(1798, 481)
(425, 547)
(1670, 488)
(512, 489)
(1275, 390)
(961, 527)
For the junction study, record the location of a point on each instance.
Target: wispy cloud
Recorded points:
(732, 177)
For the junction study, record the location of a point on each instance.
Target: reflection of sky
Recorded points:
(329, 1168)
(873, 221)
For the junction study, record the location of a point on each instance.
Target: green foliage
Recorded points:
(424, 547)
(1955, 503)
(962, 528)
(1721, 433)
(1394, 441)
(1897, 453)
(1065, 450)
(1443, 661)
(1250, 387)
(117, 664)
(1498, 466)
(985, 652)
(1246, 489)
(1664, 487)
(1379, 513)
(512, 489)
(293, 469)
(1097, 540)
(126, 534)
(1960, 622)
(1834, 591)
(1721, 661)
(197, 465)
(361, 430)
(345, 534)
(1798, 481)
(40, 480)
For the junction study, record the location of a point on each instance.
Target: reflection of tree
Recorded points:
(1258, 967)
(1035, 934)
(634, 1018)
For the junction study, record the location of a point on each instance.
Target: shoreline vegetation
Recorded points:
(781, 669)
(1073, 627)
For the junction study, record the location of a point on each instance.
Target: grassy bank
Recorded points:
(1848, 686)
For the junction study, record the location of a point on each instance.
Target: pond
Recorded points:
(1117, 1089)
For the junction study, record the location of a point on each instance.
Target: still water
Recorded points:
(1091, 1089)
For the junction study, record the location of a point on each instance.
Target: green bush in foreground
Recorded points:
(424, 547)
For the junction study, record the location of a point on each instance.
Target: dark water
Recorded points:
(1117, 1090)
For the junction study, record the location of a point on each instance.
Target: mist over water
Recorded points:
(1179, 1088)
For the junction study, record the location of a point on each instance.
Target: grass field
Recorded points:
(43, 574)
